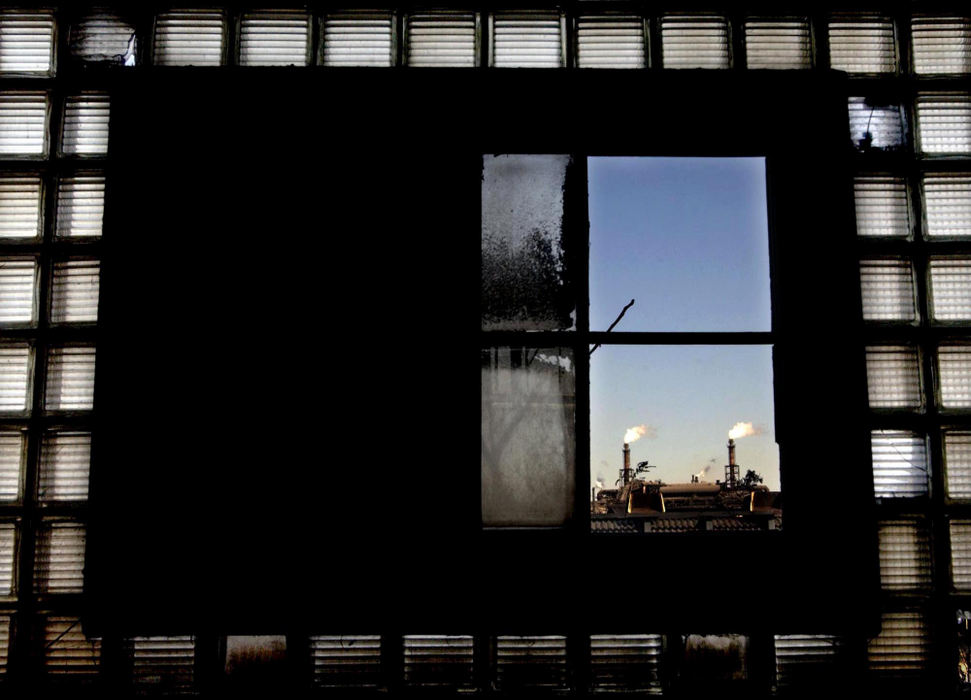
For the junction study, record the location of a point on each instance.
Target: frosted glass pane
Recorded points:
(527, 40)
(86, 125)
(947, 205)
(358, 39)
(961, 554)
(163, 664)
(8, 539)
(442, 39)
(105, 38)
(887, 287)
(941, 44)
(782, 43)
(531, 662)
(20, 206)
(882, 208)
(944, 123)
(14, 377)
(275, 38)
(18, 284)
(80, 205)
(348, 660)
(528, 436)
(900, 468)
(902, 648)
(610, 41)
(957, 461)
(875, 125)
(23, 123)
(802, 659)
(65, 460)
(860, 43)
(26, 41)
(438, 660)
(68, 653)
(59, 559)
(694, 41)
(905, 555)
(950, 282)
(70, 378)
(190, 38)
(12, 446)
(525, 284)
(625, 662)
(893, 377)
(954, 368)
(74, 293)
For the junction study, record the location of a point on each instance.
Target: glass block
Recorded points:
(23, 123)
(164, 665)
(947, 205)
(695, 41)
(525, 284)
(346, 661)
(439, 660)
(882, 206)
(74, 291)
(275, 38)
(887, 287)
(862, 43)
(105, 38)
(15, 366)
(70, 378)
(4, 643)
(900, 466)
(86, 125)
(18, 290)
(8, 545)
(957, 462)
(902, 648)
(803, 659)
(950, 288)
(874, 125)
(954, 370)
(441, 39)
(961, 554)
(893, 376)
(80, 205)
(26, 41)
(190, 38)
(941, 44)
(625, 662)
(531, 662)
(69, 655)
(780, 43)
(65, 462)
(610, 41)
(527, 40)
(20, 206)
(12, 454)
(358, 38)
(528, 436)
(944, 123)
(59, 558)
(905, 555)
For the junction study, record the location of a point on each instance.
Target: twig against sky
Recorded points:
(616, 321)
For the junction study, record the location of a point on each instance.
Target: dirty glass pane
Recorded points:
(528, 430)
(526, 284)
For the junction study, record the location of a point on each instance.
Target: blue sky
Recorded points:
(688, 239)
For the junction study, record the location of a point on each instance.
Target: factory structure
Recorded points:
(639, 505)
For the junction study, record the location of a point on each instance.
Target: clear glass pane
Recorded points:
(528, 436)
(525, 282)
(686, 238)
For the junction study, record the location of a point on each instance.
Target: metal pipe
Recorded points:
(626, 463)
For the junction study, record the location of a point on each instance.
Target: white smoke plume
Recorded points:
(639, 431)
(741, 430)
(701, 474)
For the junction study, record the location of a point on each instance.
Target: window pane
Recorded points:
(163, 664)
(625, 662)
(902, 648)
(531, 662)
(875, 125)
(14, 377)
(4, 642)
(441, 39)
(806, 660)
(610, 41)
(349, 660)
(525, 283)
(358, 39)
(190, 38)
(26, 41)
(105, 38)
(778, 43)
(961, 554)
(893, 377)
(905, 555)
(694, 41)
(432, 660)
(882, 208)
(947, 205)
(70, 378)
(527, 40)
(12, 451)
(74, 293)
(59, 560)
(957, 459)
(900, 468)
(862, 43)
(954, 368)
(65, 461)
(950, 282)
(275, 38)
(944, 122)
(18, 284)
(528, 436)
(661, 231)
(80, 205)
(68, 654)
(8, 537)
(887, 287)
(941, 44)
(86, 125)
(23, 123)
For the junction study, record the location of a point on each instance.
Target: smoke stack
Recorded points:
(626, 463)
(731, 469)
(731, 452)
